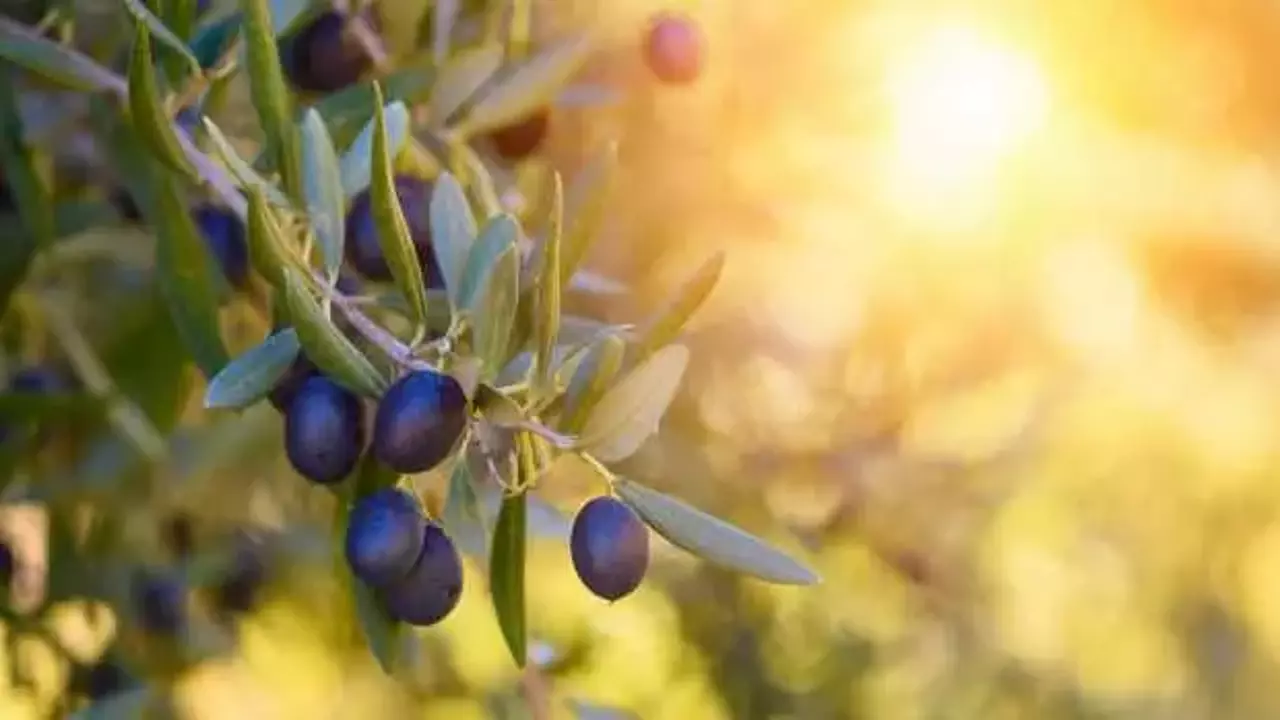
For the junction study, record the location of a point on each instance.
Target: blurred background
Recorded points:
(995, 351)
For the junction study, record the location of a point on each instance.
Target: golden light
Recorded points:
(961, 103)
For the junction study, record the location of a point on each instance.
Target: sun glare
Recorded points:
(960, 104)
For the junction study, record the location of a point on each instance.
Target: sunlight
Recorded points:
(960, 105)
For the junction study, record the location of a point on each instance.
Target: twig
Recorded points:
(537, 695)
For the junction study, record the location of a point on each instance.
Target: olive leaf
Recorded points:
(393, 230)
(251, 376)
(665, 326)
(460, 78)
(462, 518)
(442, 22)
(527, 88)
(152, 25)
(270, 94)
(322, 186)
(592, 378)
(453, 228)
(240, 170)
(183, 264)
(269, 251)
(506, 574)
(324, 344)
(585, 204)
(213, 40)
(630, 412)
(496, 314)
(547, 319)
(347, 111)
(52, 61)
(356, 167)
(129, 703)
(497, 237)
(711, 538)
(29, 189)
(148, 116)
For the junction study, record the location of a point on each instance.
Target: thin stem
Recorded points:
(128, 420)
(600, 469)
(537, 694)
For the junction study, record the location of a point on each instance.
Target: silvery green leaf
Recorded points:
(497, 237)
(324, 344)
(631, 410)
(251, 376)
(711, 538)
(530, 86)
(355, 167)
(495, 315)
(322, 183)
(446, 14)
(158, 29)
(665, 326)
(591, 379)
(54, 62)
(393, 230)
(146, 110)
(461, 77)
(462, 518)
(240, 170)
(214, 39)
(547, 317)
(585, 203)
(453, 229)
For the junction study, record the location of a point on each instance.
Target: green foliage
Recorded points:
(543, 384)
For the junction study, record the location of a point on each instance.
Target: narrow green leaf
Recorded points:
(186, 281)
(356, 167)
(269, 252)
(666, 325)
(467, 163)
(445, 15)
(453, 229)
(496, 314)
(506, 574)
(323, 185)
(54, 62)
(593, 377)
(324, 344)
(393, 230)
(460, 78)
(35, 206)
(148, 114)
(498, 236)
(152, 25)
(547, 319)
(711, 538)
(462, 519)
(270, 95)
(240, 170)
(381, 631)
(213, 40)
(251, 376)
(531, 86)
(630, 412)
(585, 209)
